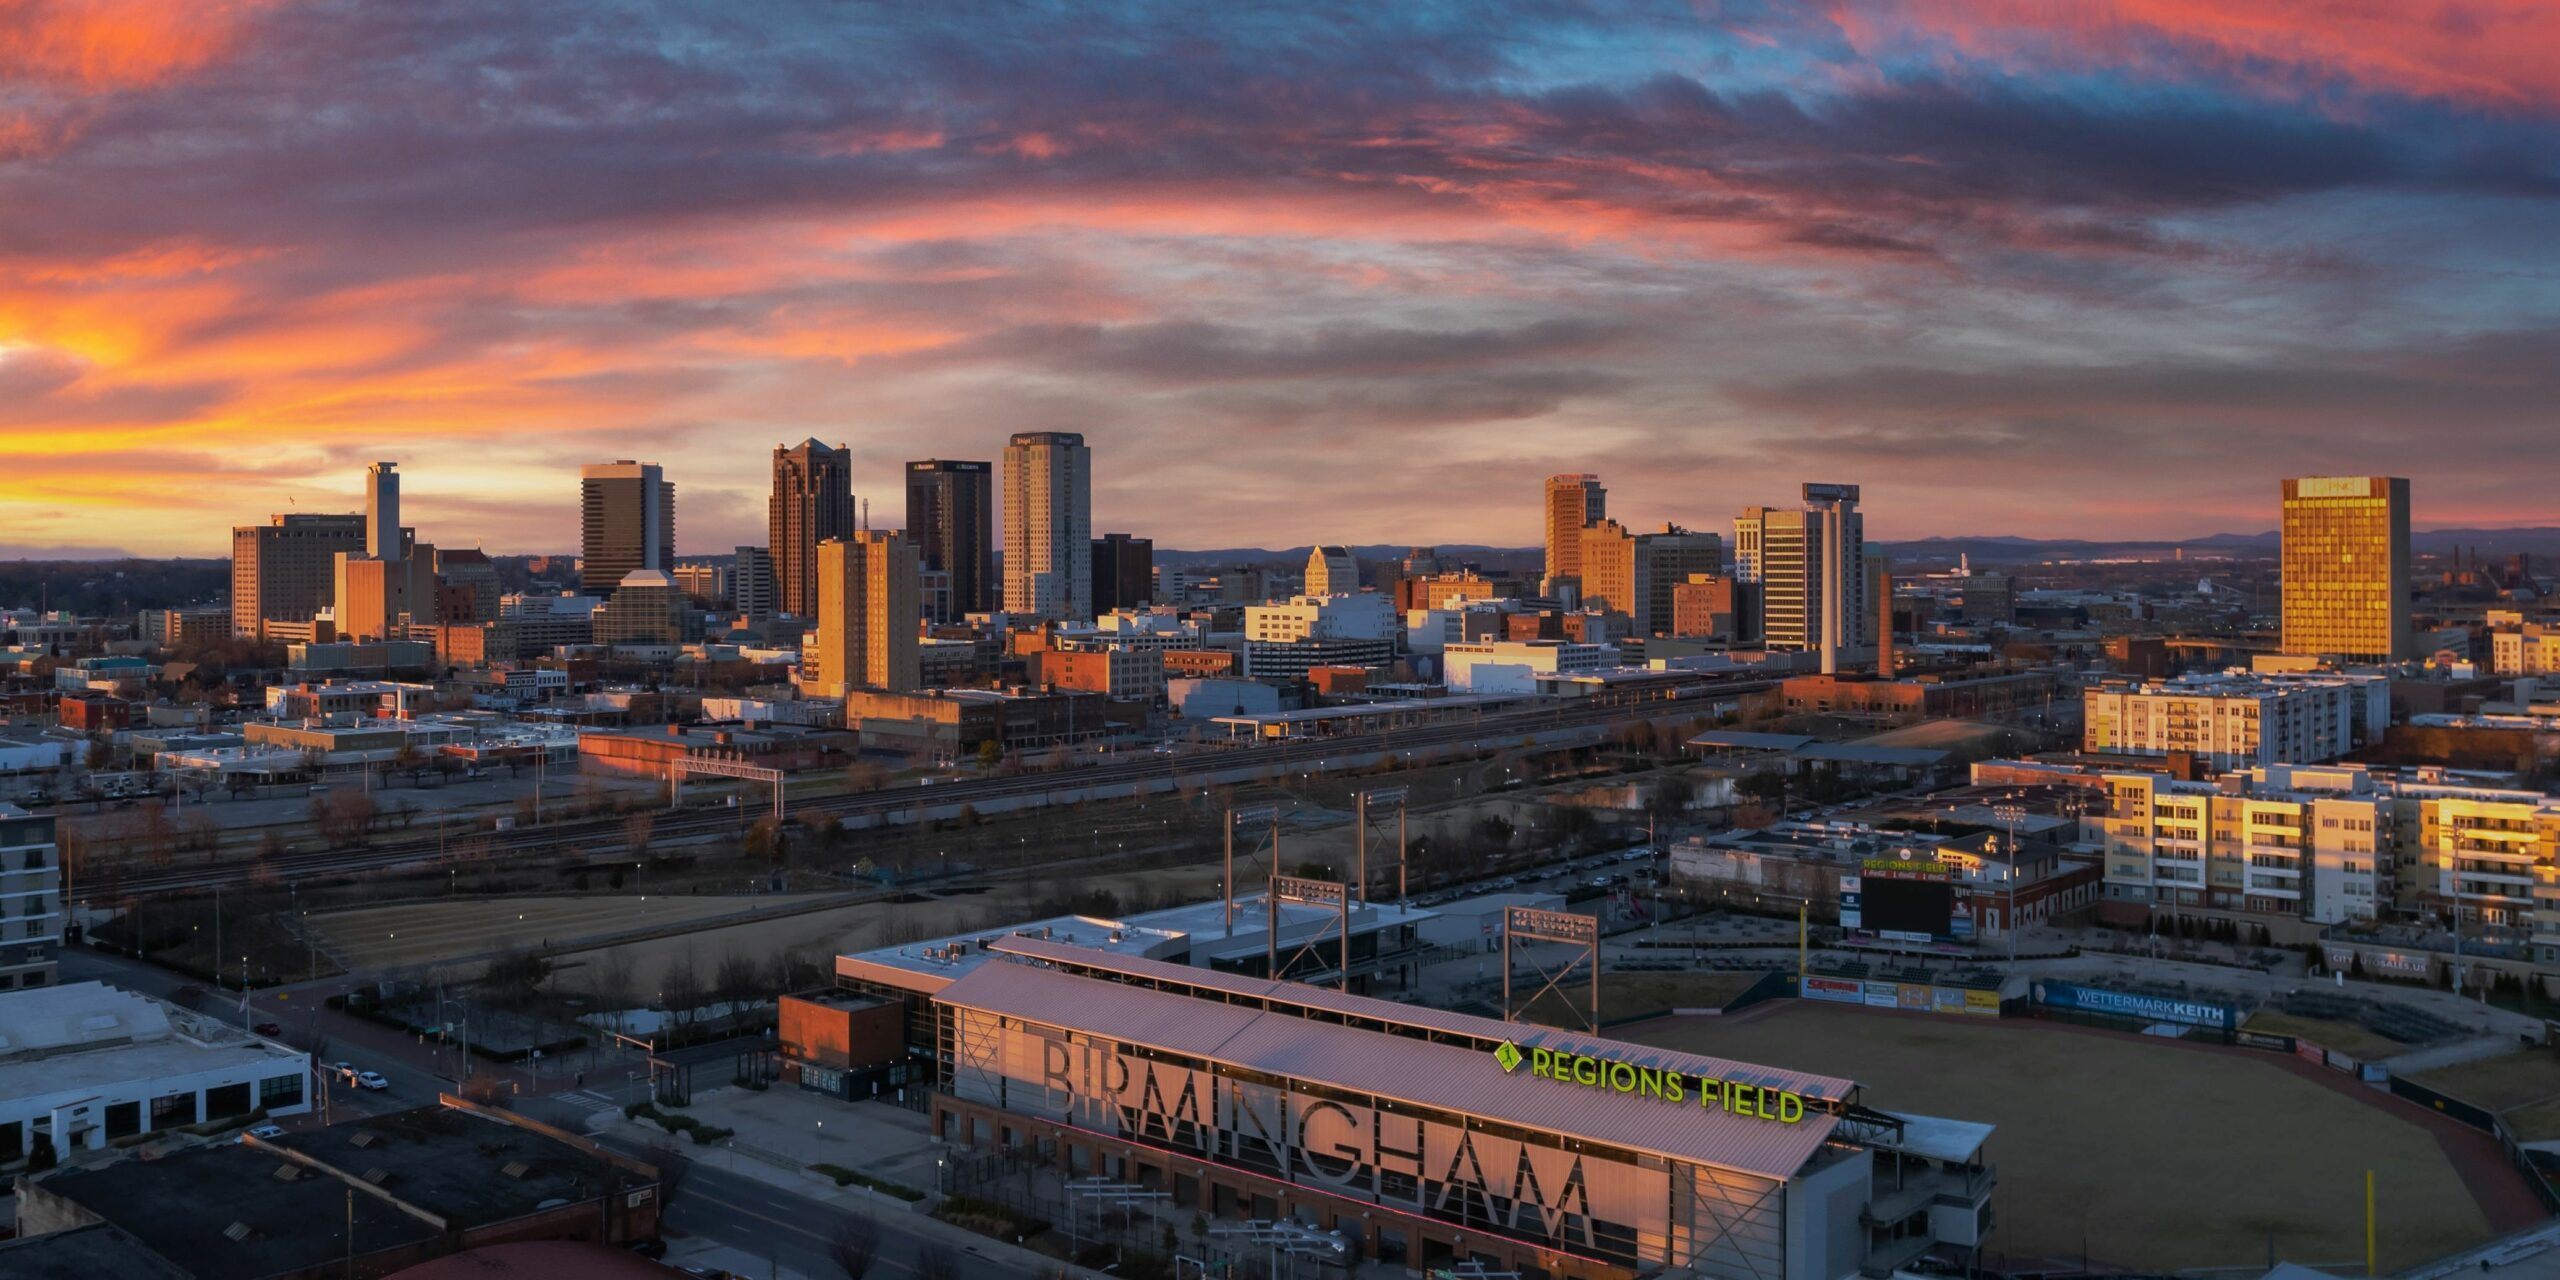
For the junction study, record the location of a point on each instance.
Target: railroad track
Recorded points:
(672, 827)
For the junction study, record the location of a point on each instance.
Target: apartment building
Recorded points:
(2521, 648)
(2235, 720)
(30, 900)
(2282, 841)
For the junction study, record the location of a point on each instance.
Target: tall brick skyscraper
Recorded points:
(812, 502)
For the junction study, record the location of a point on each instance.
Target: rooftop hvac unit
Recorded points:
(516, 1169)
(238, 1232)
(377, 1176)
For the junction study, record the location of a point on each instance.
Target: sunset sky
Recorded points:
(1300, 272)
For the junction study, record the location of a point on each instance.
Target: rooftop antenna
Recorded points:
(866, 515)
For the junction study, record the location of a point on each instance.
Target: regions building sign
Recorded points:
(1731, 1096)
(1903, 869)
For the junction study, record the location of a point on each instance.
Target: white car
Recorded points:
(371, 1080)
(263, 1132)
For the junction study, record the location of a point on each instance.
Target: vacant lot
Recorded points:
(426, 932)
(2157, 1156)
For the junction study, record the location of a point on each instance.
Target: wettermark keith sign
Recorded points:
(1732, 1096)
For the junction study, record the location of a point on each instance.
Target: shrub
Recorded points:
(846, 1177)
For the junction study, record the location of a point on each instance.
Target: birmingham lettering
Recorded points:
(1732, 1096)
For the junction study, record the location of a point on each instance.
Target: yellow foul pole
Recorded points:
(2368, 1224)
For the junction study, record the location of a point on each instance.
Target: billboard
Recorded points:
(2127, 1004)
(1838, 990)
(1908, 910)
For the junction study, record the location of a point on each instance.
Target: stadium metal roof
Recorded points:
(1286, 1031)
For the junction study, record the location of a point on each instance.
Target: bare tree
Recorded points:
(738, 979)
(855, 1246)
(609, 983)
(680, 988)
(937, 1262)
(674, 1170)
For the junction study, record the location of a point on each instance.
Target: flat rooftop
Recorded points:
(1422, 1057)
(87, 1036)
(231, 1216)
(1194, 934)
(84, 1253)
(463, 1168)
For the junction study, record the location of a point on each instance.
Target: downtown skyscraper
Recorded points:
(812, 501)
(1048, 526)
(2345, 560)
(1573, 504)
(951, 510)
(627, 522)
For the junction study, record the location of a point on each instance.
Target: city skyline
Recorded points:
(1973, 257)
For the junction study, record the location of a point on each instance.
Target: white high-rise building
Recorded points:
(1048, 526)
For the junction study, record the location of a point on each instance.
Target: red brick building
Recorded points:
(94, 713)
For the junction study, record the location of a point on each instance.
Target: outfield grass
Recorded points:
(2501, 1083)
(2156, 1155)
(2346, 1037)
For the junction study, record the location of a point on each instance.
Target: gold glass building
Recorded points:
(2346, 567)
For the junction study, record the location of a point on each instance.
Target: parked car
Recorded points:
(371, 1080)
(344, 1071)
(268, 1029)
(266, 1131)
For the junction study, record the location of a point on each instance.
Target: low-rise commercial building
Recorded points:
(945, 722)
(1123, 675)
(410, 1186)
(1513, 666)
(84, 1063)
(649, 753)
(1920, 697)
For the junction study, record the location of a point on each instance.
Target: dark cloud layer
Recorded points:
(1988, 245)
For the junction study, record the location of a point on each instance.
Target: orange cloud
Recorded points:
(114, 44)
(2498, 53)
